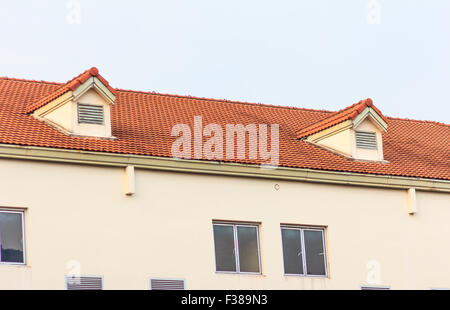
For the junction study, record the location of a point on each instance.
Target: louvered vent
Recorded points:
(90, 114)
(166, 284)
(84, 283)
(366, 140)
(374, 288)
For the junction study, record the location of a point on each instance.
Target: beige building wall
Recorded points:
(79, 213)
(341, 142)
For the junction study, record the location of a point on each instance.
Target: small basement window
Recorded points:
(375, 288)
(366, 140)
(167, 284)
(90, 114)
(84, 283)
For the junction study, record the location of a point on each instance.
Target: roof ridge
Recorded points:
(222, 100)
(417, 120)
(179, 96)
(225, 100)
(29, 80)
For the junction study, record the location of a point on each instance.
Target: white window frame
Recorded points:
(22, 213)
(235, 225)
(302, 240)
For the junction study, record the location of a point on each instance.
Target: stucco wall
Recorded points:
(79, 213)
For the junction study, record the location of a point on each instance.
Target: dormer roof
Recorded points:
(91, 75)
(356, 112)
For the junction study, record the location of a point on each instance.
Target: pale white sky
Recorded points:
(322, 54)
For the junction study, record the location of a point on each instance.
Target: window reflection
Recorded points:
(11, 239)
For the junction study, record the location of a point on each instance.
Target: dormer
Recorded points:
(354, 132)
(81, 107)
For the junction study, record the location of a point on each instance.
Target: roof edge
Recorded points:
(216, 168)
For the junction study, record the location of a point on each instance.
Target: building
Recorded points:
(92, 195)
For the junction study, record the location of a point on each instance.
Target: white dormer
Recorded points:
(81, 107)
(355, 132)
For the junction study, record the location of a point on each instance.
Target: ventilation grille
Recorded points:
(366, 140)
(166, 284)
(374, 288)
(84, 283)
(90, 114)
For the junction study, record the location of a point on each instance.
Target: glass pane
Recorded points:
(248, 249)
(11, 243)
(292, 251)
(224, 247)
(315, 255)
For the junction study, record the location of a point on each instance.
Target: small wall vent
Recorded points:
(84, 283)
(366, 140)
(90, 114)
(166, 284)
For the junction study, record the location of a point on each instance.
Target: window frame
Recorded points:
(302, 228)
(22, 213)
(235, 225)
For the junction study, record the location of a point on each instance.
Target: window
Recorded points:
(304, 251)
(366, 140)
(236, 248)
(90, 114)
(11, 237)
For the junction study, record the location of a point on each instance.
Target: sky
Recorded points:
(319, 54)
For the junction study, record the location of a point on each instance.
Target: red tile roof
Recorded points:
(349, 113)
(142, 123)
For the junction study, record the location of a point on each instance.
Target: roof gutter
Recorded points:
(219, 168)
